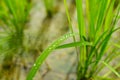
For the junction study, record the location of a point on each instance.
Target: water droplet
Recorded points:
(54, 45)
(70, 34)
(50, 48)
(34, 65)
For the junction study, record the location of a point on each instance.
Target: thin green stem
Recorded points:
(71, 29)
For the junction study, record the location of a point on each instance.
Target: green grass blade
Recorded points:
(101, 14)
(104, 38)
(109, 16)
(69, 19)
(112, 69)
(117, 45)
(68, 16)
(74, 44)
(80, 17)
(102, 48)
(91, 15)
(107, 59)
(70, 26)
(82, 31)
(11, 6)
(102, 78)
(100, 55)
(108, 73)
(44, 55)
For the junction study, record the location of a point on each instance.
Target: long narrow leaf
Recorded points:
(74, 44)
(113, 70)
(44, 55)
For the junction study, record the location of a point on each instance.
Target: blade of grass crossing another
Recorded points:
(70, 26)
(91, 11)
(102, 49)
(101, 16)
(107, 59)
(109, 16)
(68, 16)
(117, 45)
(80, 17)
(110, 30)
(92, 53)
(74, 44)
(101, 54)
(81, 26)
(108, 73)
(44, 55)
(112, 69)
(11, 6)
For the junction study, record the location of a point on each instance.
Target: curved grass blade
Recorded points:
(117, 45)
(74, 44)
(44, 55)
(112, 69)
(101, 15)
(102, 52)
(103, 37)
(108, 59)
(108, 73)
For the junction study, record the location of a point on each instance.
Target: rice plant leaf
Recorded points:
(91, 14)
(112, 69)
(109, 15)
(68, 16)
(74, 44)
(44, 55)
(82, 31)
(101, 15)
(108, 59)
(106, 40)
(80, 17)
(117, 45)
(103, 47)
(70, 23)
(102, 78)
(11, 7)
(102, 37)
(108, 73)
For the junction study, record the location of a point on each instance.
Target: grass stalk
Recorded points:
(70, 26)
(82, 35)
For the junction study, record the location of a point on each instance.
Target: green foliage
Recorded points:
(13, 19)
(112, 69)
(102, 16)
(44, 55)
(101, 23)
(74, 44)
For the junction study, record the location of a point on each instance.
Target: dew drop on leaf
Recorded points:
(50, 48)
(34, 65)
